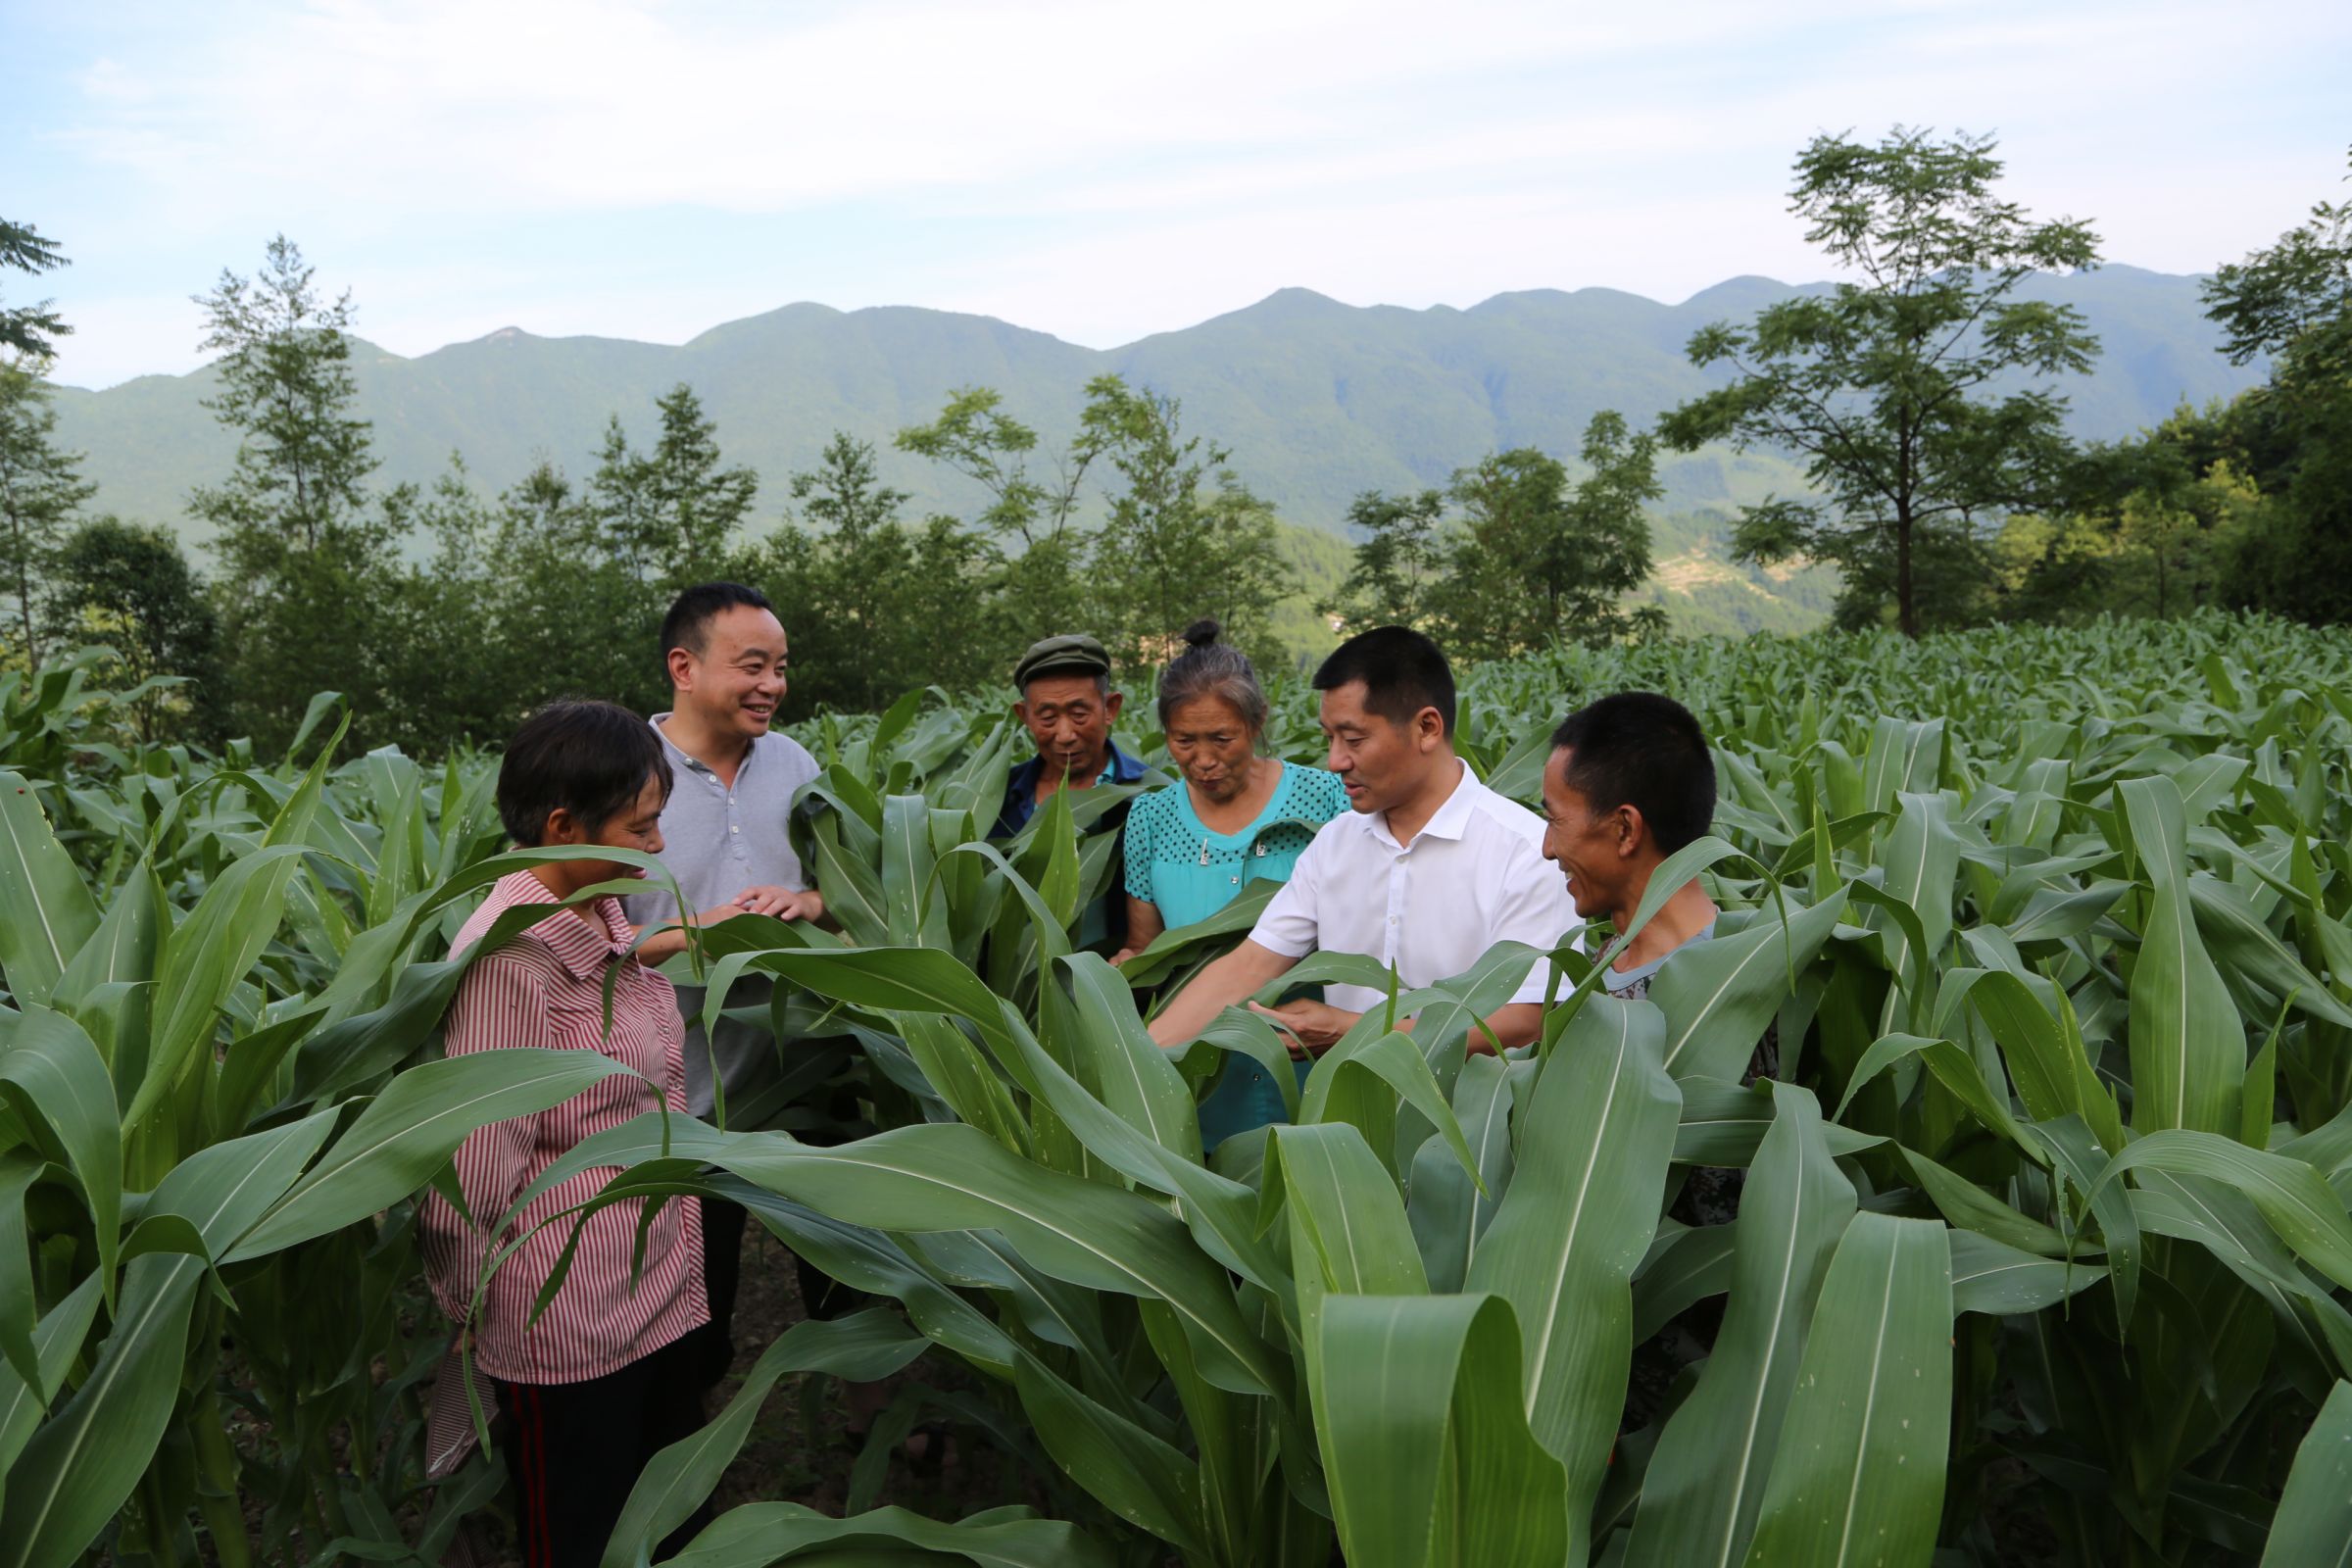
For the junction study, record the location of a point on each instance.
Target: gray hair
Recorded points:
(1212, 668)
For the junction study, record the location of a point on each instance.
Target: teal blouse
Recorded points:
(1189, 872)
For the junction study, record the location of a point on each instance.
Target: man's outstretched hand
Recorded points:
(1314, 1027)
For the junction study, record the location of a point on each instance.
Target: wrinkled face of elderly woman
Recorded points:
(1213, 745)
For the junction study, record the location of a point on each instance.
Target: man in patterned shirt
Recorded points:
(1628, 783)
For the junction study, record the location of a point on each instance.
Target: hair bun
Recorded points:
(1203, 633)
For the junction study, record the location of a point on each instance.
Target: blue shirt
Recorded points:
(1020, 789)
(1180, 867)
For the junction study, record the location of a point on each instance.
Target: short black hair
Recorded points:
(1403, 673)
(688, 623)
(590, 759)
(1645, 751)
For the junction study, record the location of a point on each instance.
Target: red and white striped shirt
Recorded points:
(546, 988)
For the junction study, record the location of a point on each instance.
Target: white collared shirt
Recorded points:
(1474, 876)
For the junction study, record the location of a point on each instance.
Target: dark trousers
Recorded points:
(821, 1295)
(722, 1276)
(576, 1449)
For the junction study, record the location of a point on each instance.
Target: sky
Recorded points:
(650, 168)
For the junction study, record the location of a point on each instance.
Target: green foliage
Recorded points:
(131, 589)
(293, 523)
(875, 606)
(1181, 537)
(1890, 389)
(670, 515)
(1529, 560)
(30, 329)
(41, 488)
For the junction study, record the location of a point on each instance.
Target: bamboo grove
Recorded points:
(2042, 1250)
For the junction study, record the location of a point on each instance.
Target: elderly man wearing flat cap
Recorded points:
(1068, 706)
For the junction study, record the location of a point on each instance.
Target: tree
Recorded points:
(873, 606)
(1891, 388)
(562, 604)
(846, 502)
(1535, 561)
(1034, 518)
(673, 513)
(129, 586)
(449, 678)
(1182, 537)
(2293, 435)
(2293, 299)
(287, 387)
(30, 329)
(1399, 560)
(41, 488)
(308, 561)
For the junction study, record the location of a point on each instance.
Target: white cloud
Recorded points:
(1101, 170)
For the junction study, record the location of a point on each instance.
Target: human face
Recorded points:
(1381, 764)
(736, 683)
(1595, 851)
(1070, 718)
(635, 826)
(1212, 746)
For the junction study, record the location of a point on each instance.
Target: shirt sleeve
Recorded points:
(1537, 909)
(1291, 924)
(502, 1001)
(1139, 848)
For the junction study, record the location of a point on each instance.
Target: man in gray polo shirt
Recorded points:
(726, 839)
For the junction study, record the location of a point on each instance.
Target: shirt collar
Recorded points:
(1117, 768)
(681, 757)
(1449, 821)
(574, 942)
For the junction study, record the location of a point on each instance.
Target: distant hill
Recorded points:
(1317, 400)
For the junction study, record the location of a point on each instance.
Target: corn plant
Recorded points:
(2040, 1241)
(214, 1116)
(2039, 1251)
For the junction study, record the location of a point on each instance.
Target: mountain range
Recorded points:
(1317, 401)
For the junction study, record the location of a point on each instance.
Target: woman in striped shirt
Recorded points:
(605, 1377)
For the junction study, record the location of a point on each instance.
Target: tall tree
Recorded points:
(565, 605)
(129, 586)
(1400, 561)
(30, 329)
(41, 488)
(873, 605)
(2293, 301)
(1035, 517)
(1536, 560)
(843, 500)
(673, 513)
(1182, 537)
(309, 560)
(1890, 388)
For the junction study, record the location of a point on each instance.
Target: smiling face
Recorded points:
(1381, 763)
(1069, 717)
(736, 683)
(1213, 745)
(1599, 852)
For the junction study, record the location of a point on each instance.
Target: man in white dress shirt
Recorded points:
(1430, 870)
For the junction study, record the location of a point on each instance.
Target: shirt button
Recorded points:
(733, 829)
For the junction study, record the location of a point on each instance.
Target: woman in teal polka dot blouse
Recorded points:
(1234, 818)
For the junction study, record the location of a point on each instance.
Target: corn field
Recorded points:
(2040, 1251)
